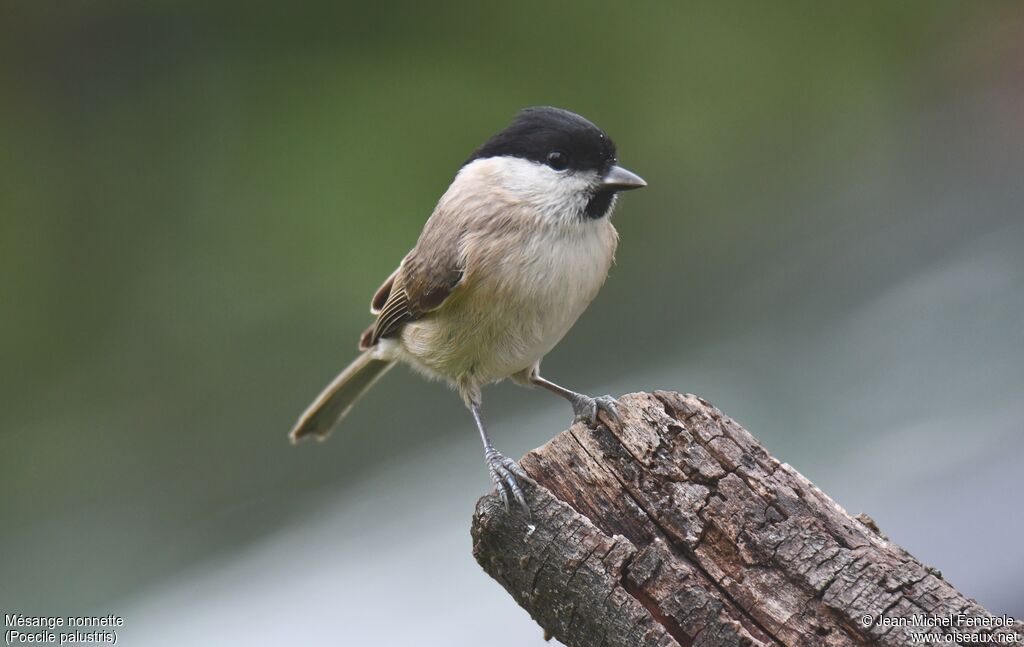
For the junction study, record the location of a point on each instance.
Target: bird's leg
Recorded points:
(583, 406)
(503, 470)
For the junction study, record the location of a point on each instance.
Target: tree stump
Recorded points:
(677, 528)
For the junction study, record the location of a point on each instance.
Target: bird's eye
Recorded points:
(558, 160)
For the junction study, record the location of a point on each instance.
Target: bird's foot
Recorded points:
(586, 408)
(504, 472)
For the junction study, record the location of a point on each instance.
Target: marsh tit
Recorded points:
(515, 250)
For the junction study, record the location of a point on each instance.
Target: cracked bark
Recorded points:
(677, 528)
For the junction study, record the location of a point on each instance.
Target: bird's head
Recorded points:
(556, 162)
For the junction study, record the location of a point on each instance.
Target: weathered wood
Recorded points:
(677, 528)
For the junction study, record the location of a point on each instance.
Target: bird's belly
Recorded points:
(511, 316)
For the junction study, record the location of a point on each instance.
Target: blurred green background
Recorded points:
(198, 200)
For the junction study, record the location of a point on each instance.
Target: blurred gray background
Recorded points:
(197, 201)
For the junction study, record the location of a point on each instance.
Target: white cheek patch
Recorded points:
(552, 194)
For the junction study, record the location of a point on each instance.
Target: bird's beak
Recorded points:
(619, 179)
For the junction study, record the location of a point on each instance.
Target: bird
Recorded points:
(514, 252)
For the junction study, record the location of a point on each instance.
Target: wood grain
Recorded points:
(678, 528)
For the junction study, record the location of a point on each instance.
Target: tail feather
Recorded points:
(337, 399)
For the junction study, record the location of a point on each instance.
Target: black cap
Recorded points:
(552, 136)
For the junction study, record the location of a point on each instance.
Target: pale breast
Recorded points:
(523, 295)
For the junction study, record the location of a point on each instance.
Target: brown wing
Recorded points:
(380, 297)
(418, 286)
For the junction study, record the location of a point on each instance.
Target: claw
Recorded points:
(610, 406)
(516, 492)
(586, 408)
(503, 473)
(501, 492)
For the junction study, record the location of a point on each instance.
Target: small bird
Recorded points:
(514, 252)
